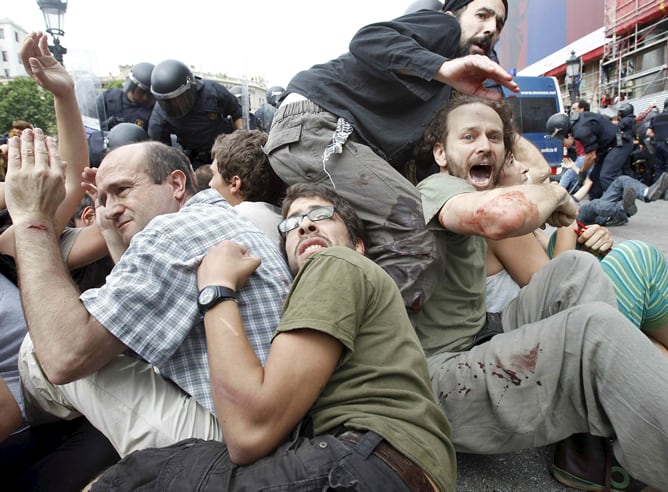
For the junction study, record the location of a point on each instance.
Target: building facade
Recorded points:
(11, 38)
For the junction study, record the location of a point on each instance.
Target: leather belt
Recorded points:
(412, 475)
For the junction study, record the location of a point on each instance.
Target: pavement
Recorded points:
(529, 470)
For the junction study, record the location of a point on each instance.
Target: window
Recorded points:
(2, 33)
(4, 56)
(16, 36)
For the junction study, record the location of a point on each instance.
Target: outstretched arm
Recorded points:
(509, 211)
(40, 64)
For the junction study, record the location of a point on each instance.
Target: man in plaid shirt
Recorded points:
(90, 352)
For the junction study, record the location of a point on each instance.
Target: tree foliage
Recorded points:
(22, 99)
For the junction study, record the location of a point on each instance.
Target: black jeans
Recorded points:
(322, 463)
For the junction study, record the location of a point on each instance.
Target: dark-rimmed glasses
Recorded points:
(315, 214)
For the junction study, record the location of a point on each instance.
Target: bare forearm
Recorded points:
(588, 162)
(237, 384)
(502, 212)
(73, 149)
(66, 338)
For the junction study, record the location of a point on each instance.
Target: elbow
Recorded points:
(504, 225)
(245, 448)
(58, 368)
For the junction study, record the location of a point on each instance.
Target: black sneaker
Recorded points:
(629, 201)
(657, 190)
(615, 222)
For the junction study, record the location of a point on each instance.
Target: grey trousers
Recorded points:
(567, 362)
(388, 204)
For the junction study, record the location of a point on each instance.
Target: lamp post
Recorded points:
(573, 74)
(54, 17)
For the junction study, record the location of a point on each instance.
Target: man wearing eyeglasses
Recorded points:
(344, 401)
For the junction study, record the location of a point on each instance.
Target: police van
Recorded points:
(538, 99)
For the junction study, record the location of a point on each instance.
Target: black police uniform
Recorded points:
(214, 112)
(660, 126)
(114, 103)
(627, 125)
(596, 133)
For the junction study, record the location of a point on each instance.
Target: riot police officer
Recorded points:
(658, 130)
(265, 113)
(131, 104)
(603, 145)
(627, 125)
(195, 110)
(238, 91)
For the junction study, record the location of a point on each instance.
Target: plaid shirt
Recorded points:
(150, 299)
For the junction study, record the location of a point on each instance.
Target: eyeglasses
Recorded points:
(315, 214)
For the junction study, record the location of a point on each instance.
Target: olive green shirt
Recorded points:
(381, 383)
(456, 311)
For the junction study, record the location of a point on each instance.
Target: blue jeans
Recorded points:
(322, 463)
(609, 206)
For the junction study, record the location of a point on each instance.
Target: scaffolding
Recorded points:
(634, 63)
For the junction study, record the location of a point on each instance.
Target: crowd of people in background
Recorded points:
(338, 291)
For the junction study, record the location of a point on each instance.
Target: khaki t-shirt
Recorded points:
(382, 382)
(456, 311)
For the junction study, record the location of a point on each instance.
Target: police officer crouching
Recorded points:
(604, 144)
(195, 110)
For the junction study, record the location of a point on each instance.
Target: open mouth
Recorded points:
(311, 245)
(480, 175)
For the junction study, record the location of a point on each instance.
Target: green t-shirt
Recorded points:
(382, 382)
(456, 311)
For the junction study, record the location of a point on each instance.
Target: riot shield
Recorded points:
(88, 88)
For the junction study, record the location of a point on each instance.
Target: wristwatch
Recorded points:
(211, 295)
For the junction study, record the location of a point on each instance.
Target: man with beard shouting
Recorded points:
(563, 359)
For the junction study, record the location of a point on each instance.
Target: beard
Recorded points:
(484, 42)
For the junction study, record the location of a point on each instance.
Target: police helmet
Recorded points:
(140, 78)
(237, 91)
(274, 94)
(625, 109)
(124, 134)
(175, 87)
(424, 5)
(558, 125)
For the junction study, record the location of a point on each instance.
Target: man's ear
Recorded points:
(88, 216)
(359, 246)
(177, 180)
(235, 185)
(440, 157)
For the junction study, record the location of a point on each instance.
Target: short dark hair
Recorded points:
(438, 130)
(163, 160)
(584, 105)
(343, 207)
(240, 154)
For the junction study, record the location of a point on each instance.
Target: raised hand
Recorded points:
(467, 74)
(44, 69)
(35, 182)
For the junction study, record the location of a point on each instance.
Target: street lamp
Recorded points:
(54, 17)
(573, 74)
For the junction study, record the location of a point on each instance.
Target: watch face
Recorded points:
(207, 295)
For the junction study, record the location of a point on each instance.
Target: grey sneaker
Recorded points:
(657, 190)
(629, 201)
(615, 222)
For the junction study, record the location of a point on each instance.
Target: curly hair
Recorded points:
(240, 154)
(437, 130)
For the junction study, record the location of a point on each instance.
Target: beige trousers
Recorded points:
(127, 400)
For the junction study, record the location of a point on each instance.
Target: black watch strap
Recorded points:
(212, 295)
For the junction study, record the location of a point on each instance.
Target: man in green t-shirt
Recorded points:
(567, 361)
(344, 400)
